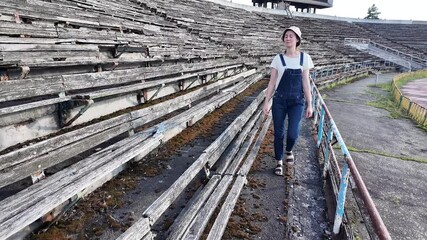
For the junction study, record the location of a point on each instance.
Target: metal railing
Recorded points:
(412, 58)
(330, 70)
(414, 110)
(357, 40)
(328, 135)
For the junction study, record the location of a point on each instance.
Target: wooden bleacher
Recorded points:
(77, 74)
(404, 36)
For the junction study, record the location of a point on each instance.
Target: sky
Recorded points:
(390, 9)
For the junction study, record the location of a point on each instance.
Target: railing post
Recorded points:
(341, 198)
(313, 96)
(320, 129)
(425, 119)
(326, 151)
(316, 111)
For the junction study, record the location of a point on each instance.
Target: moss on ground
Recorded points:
(343, 82)
(387, 102)
(371, 151)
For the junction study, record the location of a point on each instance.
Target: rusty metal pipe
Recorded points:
(378, 224)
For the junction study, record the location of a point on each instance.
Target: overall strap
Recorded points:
(301, 59)
(283, 60)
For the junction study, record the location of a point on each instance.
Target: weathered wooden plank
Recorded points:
(10, 56)
(137, 87)
(31, 105)
(227, 208)
(11, 28)
(156, 209)
(59, 5)
(234, 165)
(240, 146)
(20, 171)
(47, 47)
(89, 80)
(244, 170)
(187, 214)
(149, 236)
(150, 84)
(145, 115)
(39, 210)
(50, 144)
(49, 41)
(94, 35)
(220, 223)
(25, 207)
(136, 231)
(199, 223)
(163, 202)
(25, 88)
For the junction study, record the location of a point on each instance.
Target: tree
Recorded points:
(373, 12)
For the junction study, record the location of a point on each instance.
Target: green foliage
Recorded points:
(373, 12)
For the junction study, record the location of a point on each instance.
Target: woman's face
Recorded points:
(290, 39)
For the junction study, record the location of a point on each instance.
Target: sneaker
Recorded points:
(289, 157)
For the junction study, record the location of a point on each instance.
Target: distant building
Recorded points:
(309, 6)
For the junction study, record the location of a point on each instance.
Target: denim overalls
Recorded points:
(287, 100)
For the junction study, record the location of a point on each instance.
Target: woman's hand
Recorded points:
(309, 111)
(266, 109)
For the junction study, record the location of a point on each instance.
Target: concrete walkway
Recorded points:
(398, 187)
(289, 207)
(307, 205)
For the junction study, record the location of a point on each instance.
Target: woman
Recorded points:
(289, 84)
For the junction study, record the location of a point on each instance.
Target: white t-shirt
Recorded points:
(291, 63)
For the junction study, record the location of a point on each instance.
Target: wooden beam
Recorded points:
(155, 210)
(199, 223)
(43, 161)
(27, 88)
(27, 206)
(244, 170)
(136, 231)
(220, 223)
(44, 147)
(239, 146)
(187, 214)
(227, 208)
